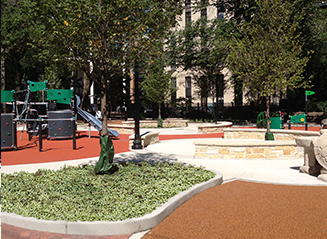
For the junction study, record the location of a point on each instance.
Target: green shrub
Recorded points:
(76, 193)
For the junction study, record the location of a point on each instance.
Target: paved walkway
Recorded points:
(273, 171)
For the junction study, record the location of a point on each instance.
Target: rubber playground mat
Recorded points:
(55, 150)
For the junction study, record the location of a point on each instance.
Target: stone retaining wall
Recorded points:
(154, 123)
(228, 149)
(240, 133)
(218, 128)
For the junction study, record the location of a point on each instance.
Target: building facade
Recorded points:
(186, 89)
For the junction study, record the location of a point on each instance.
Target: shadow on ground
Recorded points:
(138, 157)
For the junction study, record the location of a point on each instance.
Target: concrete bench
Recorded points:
(146, 139)
(315, 155)
(323, 124)
(310, 165)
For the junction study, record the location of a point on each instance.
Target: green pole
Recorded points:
(307, 92)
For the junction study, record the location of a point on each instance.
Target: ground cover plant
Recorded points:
(77, 194)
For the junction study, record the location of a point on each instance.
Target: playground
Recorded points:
(48, 134)
(273, 189)
(54, 117)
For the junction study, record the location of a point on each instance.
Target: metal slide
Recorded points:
(97, 124)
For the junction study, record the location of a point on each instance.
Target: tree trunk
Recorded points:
(268, 113)
(159, 113)
(104, 105)
(86, 88)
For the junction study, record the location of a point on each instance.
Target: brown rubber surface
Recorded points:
(248, 210)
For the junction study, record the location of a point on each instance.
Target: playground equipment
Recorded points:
(59, 128)
(8, 124)
(96, 123)
(297, 119)
(276, 120)
(42, 118)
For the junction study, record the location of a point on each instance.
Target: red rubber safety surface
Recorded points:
(55, 150)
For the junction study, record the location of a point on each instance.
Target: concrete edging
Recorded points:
(112, 228)
(217, 128)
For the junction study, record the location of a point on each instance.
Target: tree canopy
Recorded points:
(157, 85)
(102, 37)
(268, 58)
(202, 47)
(17, 27)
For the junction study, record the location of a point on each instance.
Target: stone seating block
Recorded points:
(310, 165)
(146, 139)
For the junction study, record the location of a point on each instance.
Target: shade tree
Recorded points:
(268, 58)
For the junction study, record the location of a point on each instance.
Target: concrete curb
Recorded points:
(128, 226)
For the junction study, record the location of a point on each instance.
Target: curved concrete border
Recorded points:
(112, 228)
(214, 128)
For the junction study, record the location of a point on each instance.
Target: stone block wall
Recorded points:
(238, 133)
(207, 129)
(154, 123)
(248, 150)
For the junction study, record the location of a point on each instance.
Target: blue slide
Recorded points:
(96, 123)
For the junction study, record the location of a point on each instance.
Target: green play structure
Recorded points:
(36, 116)
(276, 120)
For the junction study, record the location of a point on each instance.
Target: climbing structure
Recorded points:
(8, 127)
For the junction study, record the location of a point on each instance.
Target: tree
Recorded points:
(107, 34)
(203, 47)
(21, 48)
(268, 58)
(238, 11)
(316, 38)
(157, 85)
(17, 26)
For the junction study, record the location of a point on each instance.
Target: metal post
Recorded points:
(74, 121)
(40, 135)
(74, 133)
(137, 144)
(306, 112)
(15, 123)
(217, 99)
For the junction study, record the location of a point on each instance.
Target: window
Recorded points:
(174, 94)
(204, 13)
(187, 2)
(220, 13)
(188, 87)
(188, 17)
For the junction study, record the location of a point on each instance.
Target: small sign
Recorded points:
(308, 92)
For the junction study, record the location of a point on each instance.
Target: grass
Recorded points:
(77, 194)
